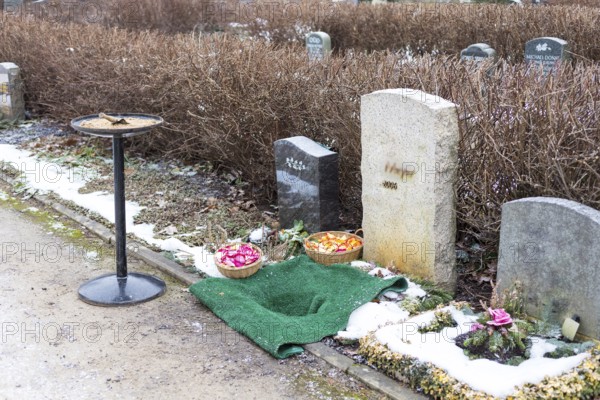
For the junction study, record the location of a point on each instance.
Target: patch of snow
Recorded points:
(32, 209)
(384, 272)
(64, 181)
(483, 375)
(414, 290)
(390, 294)
(48, 176)
(259, 235)
(371, 316)
(541, 347)
(203, 259)
(4, 196)
(58, 226)
(169, 230)
(361, 264)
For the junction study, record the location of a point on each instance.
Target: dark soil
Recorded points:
(179, 199)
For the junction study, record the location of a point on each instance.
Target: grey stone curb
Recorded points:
(373, 379)
(150, 257)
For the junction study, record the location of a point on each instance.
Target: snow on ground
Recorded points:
(414, 290)
(394, 328)
(483, 375)
(382, 272)
(65, 182)
(371, 316)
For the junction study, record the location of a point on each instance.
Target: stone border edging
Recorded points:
(370, 377)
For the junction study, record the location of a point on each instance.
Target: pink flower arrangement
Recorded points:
(237, 255)
(499, 317)
(476, 326)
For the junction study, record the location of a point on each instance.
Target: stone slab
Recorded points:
(12, 105)
(478, 52)
(552, 246)
(409, 159)
(307, 184)
(318, 45)
(546, 52)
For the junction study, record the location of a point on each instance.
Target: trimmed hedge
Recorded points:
(226, 100)
(420, 27)
(581, 383)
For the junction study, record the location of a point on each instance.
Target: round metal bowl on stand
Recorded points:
(121, 288)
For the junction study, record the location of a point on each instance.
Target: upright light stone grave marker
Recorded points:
(547, 52)
(11, 93)
(408, 167)
(318, 45)
(478, 52)
(552, 246)
(307, 184)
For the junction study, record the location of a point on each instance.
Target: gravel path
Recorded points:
(53, 346)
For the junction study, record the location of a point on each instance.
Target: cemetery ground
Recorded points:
(54, 344)
(183, 200)
(180, 198)
(479, 177)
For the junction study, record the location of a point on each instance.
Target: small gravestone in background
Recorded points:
(546, 52)
(409, 158)
(478, 52)
(318, 45)
(11, 93)
(552, 246)
(307, 184)
(12, 7)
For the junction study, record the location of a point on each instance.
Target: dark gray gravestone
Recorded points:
(307, 184)
(478, 52)
(547, 52)
(552, 246)
(318, 44)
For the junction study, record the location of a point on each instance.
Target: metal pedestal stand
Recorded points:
(121, 289)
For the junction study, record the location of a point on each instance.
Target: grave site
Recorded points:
(304, 200)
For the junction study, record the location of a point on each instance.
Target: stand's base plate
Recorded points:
(110, 291)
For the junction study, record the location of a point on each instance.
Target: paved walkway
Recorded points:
(54, 346)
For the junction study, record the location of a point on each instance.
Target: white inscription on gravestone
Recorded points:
(295, 164)
(543, 47)
(294, 180)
